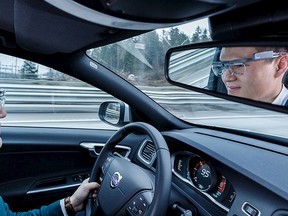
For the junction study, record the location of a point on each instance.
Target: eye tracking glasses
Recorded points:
(238, 66)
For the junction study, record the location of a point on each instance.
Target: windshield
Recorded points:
(140, 60)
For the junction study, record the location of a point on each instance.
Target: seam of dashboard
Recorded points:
(271, 148)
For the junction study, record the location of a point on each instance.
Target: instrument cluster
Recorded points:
(202, 175)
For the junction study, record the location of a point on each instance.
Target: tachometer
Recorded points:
(202, 174)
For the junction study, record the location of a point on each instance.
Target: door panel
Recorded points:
(41, 165)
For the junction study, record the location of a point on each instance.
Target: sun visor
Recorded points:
(6, 15)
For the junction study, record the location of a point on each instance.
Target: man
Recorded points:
(68, 206)
(254, 72)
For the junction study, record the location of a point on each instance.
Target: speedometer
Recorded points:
(202, 174)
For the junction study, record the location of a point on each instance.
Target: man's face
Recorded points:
(257, 83)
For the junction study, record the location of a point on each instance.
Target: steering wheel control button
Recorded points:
(138, 206)
(250, 210)
(115, 179)
(142, 203)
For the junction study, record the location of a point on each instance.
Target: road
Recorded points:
(63, 120)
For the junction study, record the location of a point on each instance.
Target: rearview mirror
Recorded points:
(256, 73)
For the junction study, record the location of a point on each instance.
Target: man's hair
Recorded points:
(275, 49)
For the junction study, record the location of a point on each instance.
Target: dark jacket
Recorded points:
(54, 209)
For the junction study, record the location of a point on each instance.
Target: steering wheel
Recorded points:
(126, 188)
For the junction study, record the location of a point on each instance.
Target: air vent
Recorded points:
(147, 152)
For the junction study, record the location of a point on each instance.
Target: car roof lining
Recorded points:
(43, 28)
(63, 33)
(26, 23)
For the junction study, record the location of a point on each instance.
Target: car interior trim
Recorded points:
(53, 189)
(92, 147)
(143, 145)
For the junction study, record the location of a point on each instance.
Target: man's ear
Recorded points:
(282, 66)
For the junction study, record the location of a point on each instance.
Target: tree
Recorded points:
(197, 34)
(176, 38)
(29, 70)
(205, 35)
(154, 53)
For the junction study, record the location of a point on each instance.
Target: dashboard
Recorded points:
(214, 173)
(218, 173)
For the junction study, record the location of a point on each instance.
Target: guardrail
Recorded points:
(21, 98)
(31, 98)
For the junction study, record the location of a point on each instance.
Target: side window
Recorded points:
(43, 97)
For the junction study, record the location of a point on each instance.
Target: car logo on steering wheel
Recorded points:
(115, 179)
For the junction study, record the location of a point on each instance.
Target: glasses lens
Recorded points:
(237, 68)
(2, 97)
(218, 69)
(233, 68)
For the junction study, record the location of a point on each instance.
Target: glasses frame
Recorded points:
(256, 57)
(2, 97)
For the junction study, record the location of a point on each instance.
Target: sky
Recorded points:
(189, 28)
(8, 60)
